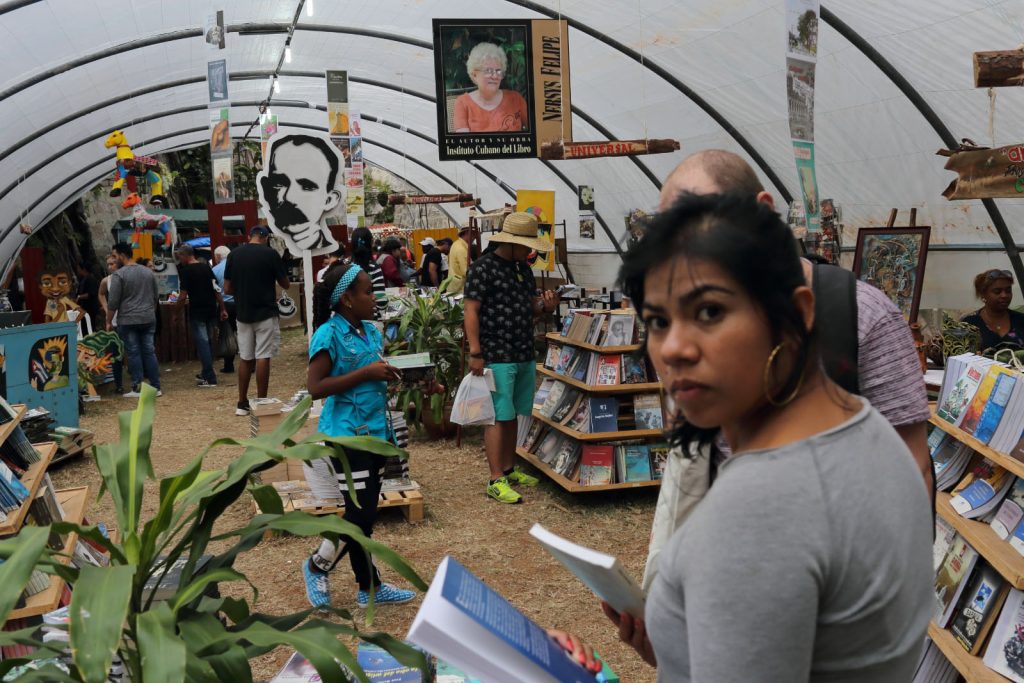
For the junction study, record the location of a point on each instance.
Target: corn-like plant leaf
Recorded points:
(133, 463)
(363, 443)
(197, 586)
(46, 674)
(170, 488)
(405, 654)
(268, 499)
(316, 643)
(99, 605)
(162, 651)
(231, 665)
(17, 568)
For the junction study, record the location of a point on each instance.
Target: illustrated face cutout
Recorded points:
(55, 285)
(298, 187)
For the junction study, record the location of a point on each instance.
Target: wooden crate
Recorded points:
(411, 503)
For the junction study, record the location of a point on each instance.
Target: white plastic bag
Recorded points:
(473, 404)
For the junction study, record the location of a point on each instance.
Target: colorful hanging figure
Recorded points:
(143, 220)
(127, 163)
(56, 287)
(96, 355)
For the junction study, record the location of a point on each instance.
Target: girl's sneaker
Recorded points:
(386, 595)
(317, 589)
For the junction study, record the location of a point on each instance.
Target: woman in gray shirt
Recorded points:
(810, 556)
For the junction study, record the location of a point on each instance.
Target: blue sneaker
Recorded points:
(317, 590)
(386, 595)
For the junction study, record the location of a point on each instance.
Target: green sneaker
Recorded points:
(502, 492)
(517, 476)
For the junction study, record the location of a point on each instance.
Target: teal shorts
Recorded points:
(514, 385)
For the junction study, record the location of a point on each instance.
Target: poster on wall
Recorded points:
(337, 102)
(586, 226)
(502, 87)
(223, 180)
(298, 187)
(541, 203)
(214, 32)
(220, 130)
(586, 193)
(893, 260)
(217, 80)
(48, 364)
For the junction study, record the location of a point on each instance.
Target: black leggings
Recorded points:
(366, 475)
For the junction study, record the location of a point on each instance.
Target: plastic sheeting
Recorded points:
(77, 69)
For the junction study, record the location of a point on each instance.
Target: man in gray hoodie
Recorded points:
(133, 296)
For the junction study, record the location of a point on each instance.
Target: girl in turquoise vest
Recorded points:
(346, 367)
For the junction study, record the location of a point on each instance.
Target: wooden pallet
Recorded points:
(411, 503)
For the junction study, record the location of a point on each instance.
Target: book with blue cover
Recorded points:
(996, 404)
(604, 414)
(465, 622)
(636, 462)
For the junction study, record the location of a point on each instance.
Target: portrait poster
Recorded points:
(541, 203)
(214, 32)
(586, 195)
(48, 364)
(586, 226)
(220, 130)
(893, 260)
(217, 80)
(502, 87)
(355, 124)
(301, 182)
(804, 154)
(223, 180)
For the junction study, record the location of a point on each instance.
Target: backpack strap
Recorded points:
(835, 314)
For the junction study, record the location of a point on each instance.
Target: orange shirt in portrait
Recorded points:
(509, 115)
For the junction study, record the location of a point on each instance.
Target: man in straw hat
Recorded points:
(501, 305)
(458, 260)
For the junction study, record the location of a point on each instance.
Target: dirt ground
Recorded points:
(489, 538)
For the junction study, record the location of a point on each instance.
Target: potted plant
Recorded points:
(431, 324)
(191, 636)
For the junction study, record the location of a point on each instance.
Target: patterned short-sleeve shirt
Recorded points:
(506, 291)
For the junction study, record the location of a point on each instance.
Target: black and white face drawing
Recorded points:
(298, 187)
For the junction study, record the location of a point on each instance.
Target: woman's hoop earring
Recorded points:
(767, 381)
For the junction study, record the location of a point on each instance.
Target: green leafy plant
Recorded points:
(191, 636)
(432, 324)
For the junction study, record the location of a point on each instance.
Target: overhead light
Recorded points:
(309, 8)
(277, 86)
(288, 54)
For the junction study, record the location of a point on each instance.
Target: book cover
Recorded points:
(381, 667)
(580, 420)
(993, 412)
(542, 392)
(620, 330)
(604, 414)
(581, 367)
(979, 487)
(580, 400)
(551, 359)
(464, 621)
(449, 673)
(1005, 651)
(567, 457)
(1011, 511)
(596, 465)
(951, 577)
(960, 395)
(548, 446)
(567, 322)
(553, 399)
(647, 411)
(659, 459)
(608, 369)
(532, 435)
(978, 607)
(633, 369)
(972, 414)
(565, 358)
(637, 461)
(566, 405)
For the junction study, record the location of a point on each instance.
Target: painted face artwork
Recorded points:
(55, 285)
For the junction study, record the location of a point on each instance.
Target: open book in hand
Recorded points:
(602, 573)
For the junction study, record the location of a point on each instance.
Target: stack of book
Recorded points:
(595, 368)
(950, 458)
(12, 492)
(37, 422)
(599, 328)
(985, 399)
(45, 510)
(70, 440)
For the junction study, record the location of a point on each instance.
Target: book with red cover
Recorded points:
(596, 465)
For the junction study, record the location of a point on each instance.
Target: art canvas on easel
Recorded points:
(893, 260)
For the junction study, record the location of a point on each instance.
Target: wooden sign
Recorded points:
(615, 148)
(985, 172)
(998, 68)
(430, 198)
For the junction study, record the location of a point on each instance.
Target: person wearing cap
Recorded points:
(458, 260)
(433, 262)
(501, 305)
(204, 306)
(252, 270)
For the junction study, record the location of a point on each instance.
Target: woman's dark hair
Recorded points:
(390, 244)
(750, 243)
(323, 290)
(982, 281)
(362, 247)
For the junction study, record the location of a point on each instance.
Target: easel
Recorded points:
(915, 327)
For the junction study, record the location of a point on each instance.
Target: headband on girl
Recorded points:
(344, 283)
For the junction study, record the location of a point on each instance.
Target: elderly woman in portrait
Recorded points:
(489, 108)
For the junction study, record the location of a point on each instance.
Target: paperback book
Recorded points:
(956, 566)
(1011, 511)
(978, 607)
(647, 411)
(1005, 651)
(981, 490)
(597, 465)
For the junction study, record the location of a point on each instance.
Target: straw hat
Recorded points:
(521, 228)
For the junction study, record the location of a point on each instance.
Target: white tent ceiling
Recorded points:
(709, 73)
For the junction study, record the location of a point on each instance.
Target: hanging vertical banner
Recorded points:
(220, 113)
(214, 31)
(337, 102)
(502, 87)
(541, 203)
(801, 62)
(345, 133)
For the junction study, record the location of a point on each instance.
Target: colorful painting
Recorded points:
(48, 363)
(541, 203)
(56, 287)
(96, 355)
(893, 260)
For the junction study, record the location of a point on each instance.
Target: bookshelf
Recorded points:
(6, 429)
(73, 501)
(32, 478)
(574, 486)
(994, 550)
(602, 388)
(559, 339)
(600, 436)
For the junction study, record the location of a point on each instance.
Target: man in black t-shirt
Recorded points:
(89, 294)
(432, 268)
(501, 304)
(205, 308)
(250, 275)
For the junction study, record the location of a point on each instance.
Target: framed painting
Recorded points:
(893, 260)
